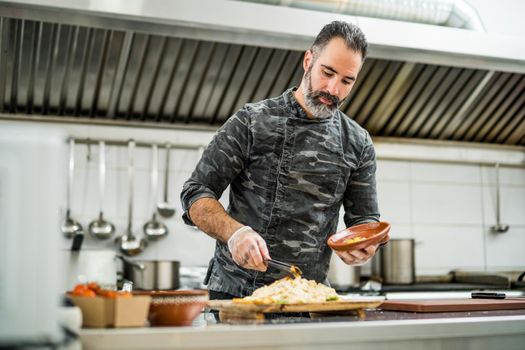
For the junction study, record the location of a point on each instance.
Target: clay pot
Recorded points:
(176, 307)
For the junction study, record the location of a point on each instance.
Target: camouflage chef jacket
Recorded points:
(288, 177)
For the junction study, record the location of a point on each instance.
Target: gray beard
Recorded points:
(319, 110)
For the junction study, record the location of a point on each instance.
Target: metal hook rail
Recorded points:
(89, 141)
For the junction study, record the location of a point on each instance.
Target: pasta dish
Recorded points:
(290, 291)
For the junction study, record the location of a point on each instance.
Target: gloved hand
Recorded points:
(357, 257)
(248, 249)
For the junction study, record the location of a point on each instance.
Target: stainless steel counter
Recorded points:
(380, 330)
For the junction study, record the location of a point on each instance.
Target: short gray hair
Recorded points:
(350, 33)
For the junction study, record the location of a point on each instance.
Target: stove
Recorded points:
(431, 287)
(453, 281)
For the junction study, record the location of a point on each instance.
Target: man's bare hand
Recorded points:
(248, 249)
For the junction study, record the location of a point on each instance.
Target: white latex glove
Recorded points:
(248, 249)
(357, 257)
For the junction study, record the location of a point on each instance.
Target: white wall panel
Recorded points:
(506, 251)
(394, 202)
(180, 159)
(401, 231)
(388, 170)
(507, 176)
(446, 204)
(512, 205)
(448, 173)
(447, 247)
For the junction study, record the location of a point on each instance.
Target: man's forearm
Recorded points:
(209, 216)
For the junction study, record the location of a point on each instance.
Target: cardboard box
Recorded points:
(100, 312)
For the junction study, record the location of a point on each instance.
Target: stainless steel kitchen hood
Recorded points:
(180, 63)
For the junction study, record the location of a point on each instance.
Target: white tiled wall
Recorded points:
(504, 251)
(447, 208)
(451, 208)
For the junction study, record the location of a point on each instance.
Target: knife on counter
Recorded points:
(487, 295)
(493, 295)
(288, 268)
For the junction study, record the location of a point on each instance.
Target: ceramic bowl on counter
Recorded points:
(175, 307)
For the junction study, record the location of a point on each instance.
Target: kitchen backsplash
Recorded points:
(447, 208)
(183, 243)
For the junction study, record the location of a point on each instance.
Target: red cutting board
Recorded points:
(446, 305)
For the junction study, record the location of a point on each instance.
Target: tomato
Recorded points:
(89, 293)
(106, 293)
(93, 286)
(92, 289)
(82, 290)
(79, 290)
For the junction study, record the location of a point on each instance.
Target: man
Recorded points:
(290, 161)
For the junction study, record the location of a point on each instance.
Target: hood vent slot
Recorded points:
(93, 74)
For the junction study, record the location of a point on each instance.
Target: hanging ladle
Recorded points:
(165, 208)
(100, 228)
(499, 227)
(154, 229)
(70, 227)
(129, 244)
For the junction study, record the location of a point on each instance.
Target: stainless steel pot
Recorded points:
(152, 275)
(343, 277)
(398, 264)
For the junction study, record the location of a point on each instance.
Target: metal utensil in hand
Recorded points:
(288, 268)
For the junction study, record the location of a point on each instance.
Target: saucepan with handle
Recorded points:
(153, 274)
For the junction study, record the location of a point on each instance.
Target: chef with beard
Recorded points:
(291, 161)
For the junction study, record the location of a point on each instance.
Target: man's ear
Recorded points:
(307, 60)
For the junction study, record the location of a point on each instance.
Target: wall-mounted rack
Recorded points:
(110, 142)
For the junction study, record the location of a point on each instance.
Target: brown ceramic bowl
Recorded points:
(175, 307)
(360, 236)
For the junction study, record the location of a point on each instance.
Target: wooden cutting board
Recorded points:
(230, 310)
(447, 305)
